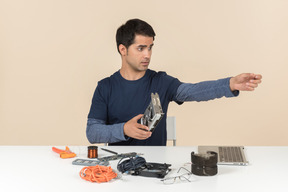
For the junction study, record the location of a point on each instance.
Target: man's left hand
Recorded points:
(245, 82)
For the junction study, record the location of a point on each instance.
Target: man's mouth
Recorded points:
(145, 62)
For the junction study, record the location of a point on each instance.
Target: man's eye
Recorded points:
(140, 48)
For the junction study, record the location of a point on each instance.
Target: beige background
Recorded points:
(52, 53)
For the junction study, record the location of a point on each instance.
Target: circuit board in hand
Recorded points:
(153, 113)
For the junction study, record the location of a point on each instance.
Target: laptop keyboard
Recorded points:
(230, 154)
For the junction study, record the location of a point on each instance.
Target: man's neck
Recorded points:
(131, 75)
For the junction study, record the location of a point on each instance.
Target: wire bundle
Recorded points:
(97, 174)
(131, 164)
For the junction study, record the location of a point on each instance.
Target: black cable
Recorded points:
(131, 164)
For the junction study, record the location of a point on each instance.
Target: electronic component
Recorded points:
(139, 167)
(92, 152)
(157, 170)
(204, 164)
(118, 156)
(86, 162)
(131, 164)
(153, 113)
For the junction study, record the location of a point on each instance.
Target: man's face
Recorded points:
(138, 55)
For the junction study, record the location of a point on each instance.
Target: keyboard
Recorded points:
(230, 154)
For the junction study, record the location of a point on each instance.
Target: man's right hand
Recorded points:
(135, 130)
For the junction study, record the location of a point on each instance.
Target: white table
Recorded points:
(38, 168)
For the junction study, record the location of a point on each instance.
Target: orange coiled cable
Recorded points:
(97, 174)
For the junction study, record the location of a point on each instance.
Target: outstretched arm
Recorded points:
(205, 90)
(208, 90)
(245, 82)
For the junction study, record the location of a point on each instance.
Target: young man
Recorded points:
(120, 100)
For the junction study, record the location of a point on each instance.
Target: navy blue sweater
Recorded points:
(117, 100)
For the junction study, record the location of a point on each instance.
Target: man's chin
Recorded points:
(143, 68)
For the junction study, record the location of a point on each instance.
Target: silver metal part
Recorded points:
(87, 162)
(153, 113)
(118, 156)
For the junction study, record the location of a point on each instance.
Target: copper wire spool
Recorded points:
(92, 152)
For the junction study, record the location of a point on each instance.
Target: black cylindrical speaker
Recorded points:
(204, 164)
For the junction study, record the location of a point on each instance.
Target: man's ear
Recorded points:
(123, 50)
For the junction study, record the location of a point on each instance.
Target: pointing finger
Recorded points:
(258, 76)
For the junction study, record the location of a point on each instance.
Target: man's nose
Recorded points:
(147, 54)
